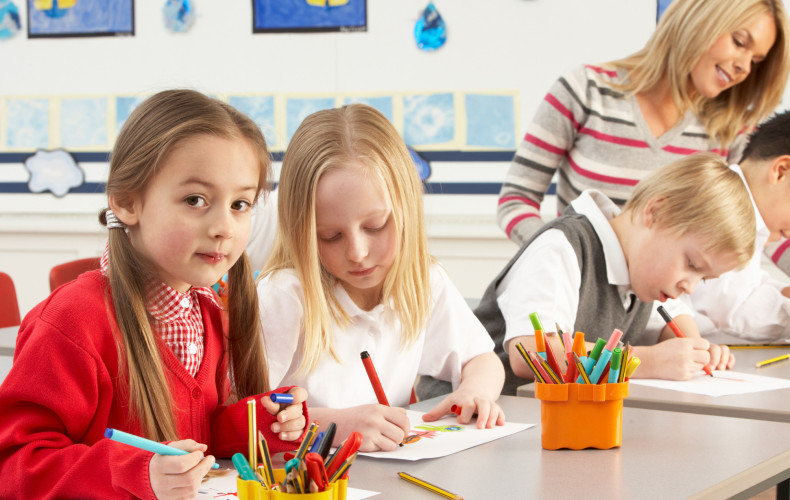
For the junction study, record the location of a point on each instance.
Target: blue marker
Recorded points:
(243, 467)
(146, 444)
(614, 366)
(279, 397)
(600, 365)
(316, 442)
(589, 363)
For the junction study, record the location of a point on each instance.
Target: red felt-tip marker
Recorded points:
(374, 378)
(678, 332)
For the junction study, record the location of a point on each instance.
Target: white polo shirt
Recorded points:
(451, 338)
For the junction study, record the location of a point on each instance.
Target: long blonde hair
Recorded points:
(699, 194)
(335, 138)
(686, 31)
(153, 129)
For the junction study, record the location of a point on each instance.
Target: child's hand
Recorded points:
(673, 359)
(382, 427)
(489, 414)
(721, 358)
(290, 420)
(179, 476)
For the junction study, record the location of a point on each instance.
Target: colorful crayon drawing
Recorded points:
(429, 431)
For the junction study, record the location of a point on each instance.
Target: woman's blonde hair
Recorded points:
(684, 34)
(151, 132)
(355, 135)
(699, 194)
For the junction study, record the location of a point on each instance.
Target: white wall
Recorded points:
(502, 45)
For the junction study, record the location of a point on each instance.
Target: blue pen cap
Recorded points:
(279, 397)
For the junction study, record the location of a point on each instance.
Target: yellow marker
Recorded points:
(430, 487)
(632, 366)
(772, 360)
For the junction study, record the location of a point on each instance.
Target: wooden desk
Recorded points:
(665, 455)
(766, 405)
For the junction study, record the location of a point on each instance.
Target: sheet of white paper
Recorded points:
(223, 487)
(722, 383)
(444, 437)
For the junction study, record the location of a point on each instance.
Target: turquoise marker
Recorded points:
(243, 467)
(614, 366)
(600, 365)
(589, 363)
(146, 444)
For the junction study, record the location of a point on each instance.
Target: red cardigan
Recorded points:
(64, 390)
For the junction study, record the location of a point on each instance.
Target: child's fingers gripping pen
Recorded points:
(678, 332)
(146, 444)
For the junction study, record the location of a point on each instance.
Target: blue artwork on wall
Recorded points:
(661, 6)
(297, 109)
(10, 23)
(123, 108)
(27, 123)
(259, 109)
(61, 18)
(83, 122)
(382, 104)
(490, 121)
(308, 15)
(428, 119)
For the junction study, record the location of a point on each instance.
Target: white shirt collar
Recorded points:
(599, 210)
(762, 230)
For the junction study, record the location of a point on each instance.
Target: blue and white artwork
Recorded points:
(123, 108)
(179, 15)
(297, 109)
(53, 171)
(490, 121)
(59, 18)
(661, 6)
(83, 122)
(383, 104)
(428, 119)
(259, 109)
(27, 123)
(10, 24)
(309, 15)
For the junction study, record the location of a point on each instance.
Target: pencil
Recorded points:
(267, 459)
(430, 487)
(580, 368)
(772, 360)
(528, 360)
(253, 431)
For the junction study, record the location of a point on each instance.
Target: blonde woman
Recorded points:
(711, 71)
(351, 272)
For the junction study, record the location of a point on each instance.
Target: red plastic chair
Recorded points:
(9, 306)
(68, 271)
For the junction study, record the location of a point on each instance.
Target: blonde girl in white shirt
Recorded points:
(351, 272)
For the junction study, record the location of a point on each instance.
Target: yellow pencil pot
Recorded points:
(579, 416)
(253, 490)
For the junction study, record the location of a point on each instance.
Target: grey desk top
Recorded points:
(665, 455)
(767, 405)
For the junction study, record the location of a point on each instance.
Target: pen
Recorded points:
(146, 444)
(540, 340)
(772, 360)
(430, 487)
(678, 332)
(614, 365)
(316, 470)
(633, 364)
(343, 452)
(605, 355)
(589, 363)
(374, 378)
(243, 467)
(280, 397)
(326, 441)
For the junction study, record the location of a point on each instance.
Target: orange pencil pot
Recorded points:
(579, 416)
(253, 490)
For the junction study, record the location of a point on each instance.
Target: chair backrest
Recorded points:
(9, 306)
(68, 271)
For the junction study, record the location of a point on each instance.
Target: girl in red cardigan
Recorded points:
(143, 345)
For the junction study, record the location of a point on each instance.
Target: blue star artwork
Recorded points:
(9, 19)
(179, 15)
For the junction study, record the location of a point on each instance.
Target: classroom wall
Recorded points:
(511, 46)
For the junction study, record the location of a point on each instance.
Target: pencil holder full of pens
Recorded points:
(254, 490)
(579, 416)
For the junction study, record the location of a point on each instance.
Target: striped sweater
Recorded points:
(596, 139)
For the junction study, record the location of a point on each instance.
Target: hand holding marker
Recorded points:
(678, 332)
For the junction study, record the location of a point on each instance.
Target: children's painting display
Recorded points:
(309, 15)
(64, 18)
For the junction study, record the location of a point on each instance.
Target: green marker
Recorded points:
(593, 357)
